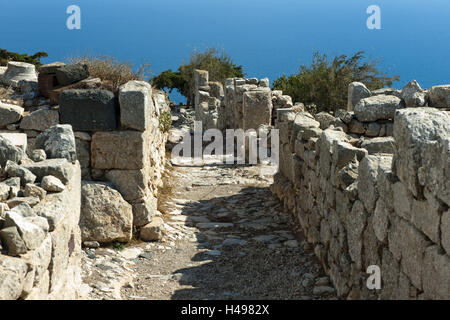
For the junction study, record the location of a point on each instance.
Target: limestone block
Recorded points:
(9, 114)
(88, 110)
(69, 74)
(356, 92)
(379, 145)
(12, 276)
(132, 154)
(257, 109)
(379, 107)
(435, 279)
(105, 215)
(40, 120)
(439, 96)
(136, 105)
(423, 150)
(413, 95)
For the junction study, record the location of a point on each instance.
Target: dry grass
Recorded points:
(6, 96)
(110, 70)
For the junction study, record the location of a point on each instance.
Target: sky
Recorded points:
(269, 38)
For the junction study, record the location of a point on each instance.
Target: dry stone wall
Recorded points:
(85, 169)
(373, 199)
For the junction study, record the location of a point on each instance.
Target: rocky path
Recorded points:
(226, 237)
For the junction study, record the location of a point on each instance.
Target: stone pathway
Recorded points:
(226, 237)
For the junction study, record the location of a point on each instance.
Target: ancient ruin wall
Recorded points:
(363, 200)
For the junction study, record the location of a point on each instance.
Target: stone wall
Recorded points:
(40, 240)
(370, 186)
(78, 163)
(240, 104)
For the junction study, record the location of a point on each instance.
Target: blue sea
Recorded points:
(269, 38)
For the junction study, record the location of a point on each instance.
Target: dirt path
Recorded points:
(226, 238)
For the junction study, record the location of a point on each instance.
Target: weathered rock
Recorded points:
(153, 231)
(356, 127)
(136, 105)
(4, 191)
(325, 119)
(367, 178)
(16, 201)
(387, 92)
(84, 157)
(436, 284)
(423, 150)
(373, 129)
(52, 184)
(377, 108)
(51, 67)
(71, 73)
(60, 168)
(58, 142)
(11, 239)
(17, 72)
(31, 234)
(12, 275)
(16, 139)
(88, 110)
(32, 190)
(40, 120)
(379, 145)
(9, 114)
(143, 212)
(257, 109)
(132, 154)
(105, 216)
(38, 155)
(14, 170)
(413, 95)
(445, 225)
(439, 96)
(356, 92)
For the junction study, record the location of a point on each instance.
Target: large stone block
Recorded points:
(445, 231)
(119, 150)
(377, 108)
(58, 142)
(439, 96)
(257, 109)
(367, 178)
(105, 215)
(8, 151)
(408, 246)
(379, 145)
(423, 149)
(40, 120)
(9, 114)
(136, 105)
(88, 110)
(72, 73)
(12, 276)
(435, 276)
(413, 95)
(17, 72)
(132, 184)
(356, 92)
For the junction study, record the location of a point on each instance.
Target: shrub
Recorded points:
(108, 69)
(219, 65)
(325, 83)
(6, 56)
(165, 121)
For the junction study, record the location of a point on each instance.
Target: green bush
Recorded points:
(219, 65)
(6, 56)
(325, 82)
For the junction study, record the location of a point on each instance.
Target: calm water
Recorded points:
(268, 38)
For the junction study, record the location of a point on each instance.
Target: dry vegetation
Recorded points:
(113, 71)
(6, 96)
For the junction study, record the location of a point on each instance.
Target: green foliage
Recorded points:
(219, 65)
(118, 246)
(35, 59)
(165, 121)
(325, 83)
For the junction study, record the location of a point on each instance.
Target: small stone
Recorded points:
(291, 244)
(38, 155)
(152, 231)
(52, 184)
(322, 290)
(91, 244)
(32, 190)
